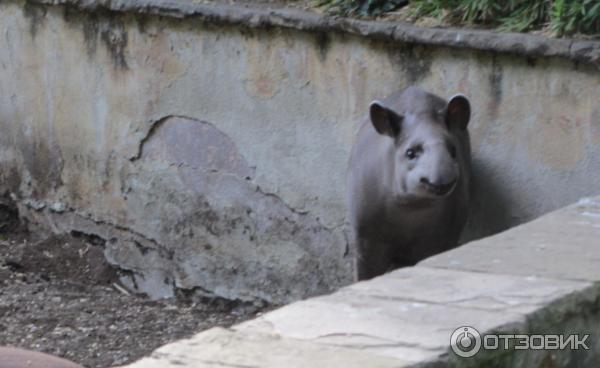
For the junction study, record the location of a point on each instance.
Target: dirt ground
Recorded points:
(59, 296)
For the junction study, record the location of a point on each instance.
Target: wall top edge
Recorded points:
(257, 16)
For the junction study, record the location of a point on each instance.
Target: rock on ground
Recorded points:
(59, 296)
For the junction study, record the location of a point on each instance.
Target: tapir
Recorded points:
(409, 179)
(19, 358)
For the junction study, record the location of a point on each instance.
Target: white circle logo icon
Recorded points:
(465, 341)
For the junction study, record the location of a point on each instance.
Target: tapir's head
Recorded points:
(428, 151)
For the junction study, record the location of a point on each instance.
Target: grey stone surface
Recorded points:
(409, 315)
(249, 201)
(219, 347)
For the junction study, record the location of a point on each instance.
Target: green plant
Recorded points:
(434, 8)
(360, 7)
(571, 16)
(511, 15)
(564, 17)
(525, 15)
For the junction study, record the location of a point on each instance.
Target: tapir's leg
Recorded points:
(18, 358)
(373, 259)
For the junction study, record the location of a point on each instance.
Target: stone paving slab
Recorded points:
(219, 347)
(542, 277)
(411, 313)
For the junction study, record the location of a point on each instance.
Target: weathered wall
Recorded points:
(212, 156)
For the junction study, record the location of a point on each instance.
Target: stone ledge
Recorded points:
(512, 43)
(537, 278)
(219, 347)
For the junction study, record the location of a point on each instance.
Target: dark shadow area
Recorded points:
(490, 205)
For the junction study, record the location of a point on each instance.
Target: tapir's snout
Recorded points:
(438, 188)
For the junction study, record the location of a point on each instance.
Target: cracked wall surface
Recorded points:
(212, 157)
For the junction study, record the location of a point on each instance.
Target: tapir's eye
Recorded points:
(411, 153)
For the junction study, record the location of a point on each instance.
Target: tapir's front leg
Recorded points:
(373, 259)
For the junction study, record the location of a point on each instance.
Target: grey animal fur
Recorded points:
(406, 206)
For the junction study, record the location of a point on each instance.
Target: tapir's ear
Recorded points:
(384, 120)
(458, 112)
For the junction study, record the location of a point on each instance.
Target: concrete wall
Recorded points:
(211, 156)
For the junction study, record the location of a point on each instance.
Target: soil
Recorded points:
(59, 296)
